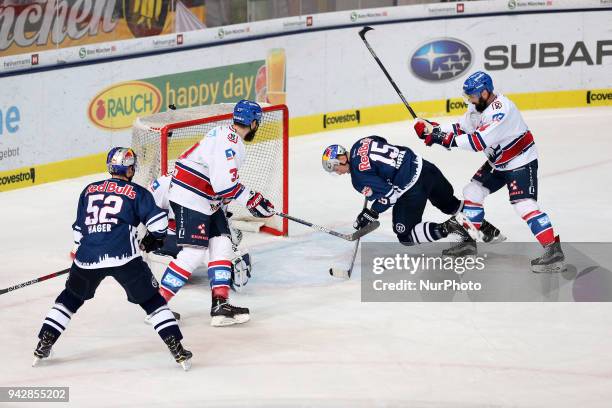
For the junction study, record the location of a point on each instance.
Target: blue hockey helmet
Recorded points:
(330, 157)
(245, 112)
(476, 83)
(119, 160)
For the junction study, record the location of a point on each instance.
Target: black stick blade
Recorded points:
(363, 31)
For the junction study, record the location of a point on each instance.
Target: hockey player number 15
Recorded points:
(97, 215)
(384, 153)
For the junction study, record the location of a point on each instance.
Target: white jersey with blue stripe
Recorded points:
(206, 175)
(108, 216)
(499, 132)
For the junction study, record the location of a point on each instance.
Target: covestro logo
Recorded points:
(19, 177)
(601, 97)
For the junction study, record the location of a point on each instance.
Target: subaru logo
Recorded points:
(441, 60)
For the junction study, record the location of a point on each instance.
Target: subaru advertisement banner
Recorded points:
(328, 78)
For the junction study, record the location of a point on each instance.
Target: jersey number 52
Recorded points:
(97, 215)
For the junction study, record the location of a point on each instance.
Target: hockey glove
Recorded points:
(151, 243)
(423, 127)
(364, 218)
(259, 207)
(441, 138)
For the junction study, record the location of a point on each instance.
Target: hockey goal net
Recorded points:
(159, 139)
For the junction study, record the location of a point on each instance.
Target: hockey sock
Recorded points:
(426, 232)
(56, 321)
(59, 316)
(161, 317)
(220, 274)
(174, 278)
(164, 323)
(474, 211)
(540, 226)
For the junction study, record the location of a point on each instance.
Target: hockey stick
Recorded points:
(341, 273)
(349, 237)
(28, 283)
(362, 34)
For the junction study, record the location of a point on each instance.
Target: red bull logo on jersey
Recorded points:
(362, 152)
(118, 106)
(112, 187)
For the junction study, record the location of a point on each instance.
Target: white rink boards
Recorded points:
(311, 342)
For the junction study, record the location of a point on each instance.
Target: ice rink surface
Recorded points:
(311, 341)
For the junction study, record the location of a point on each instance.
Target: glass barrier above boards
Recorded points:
(30, 26)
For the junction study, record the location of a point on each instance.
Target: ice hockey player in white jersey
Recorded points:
(108, 214)
(206, 178)
(494, 126)
(241, 262)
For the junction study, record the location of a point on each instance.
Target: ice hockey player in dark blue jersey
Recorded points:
(108, 214)
(395, 176)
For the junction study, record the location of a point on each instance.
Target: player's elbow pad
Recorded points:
(158, 225)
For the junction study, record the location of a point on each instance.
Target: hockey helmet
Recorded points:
(119, 160)
(330, 157)
(245, 112)
(476, 83)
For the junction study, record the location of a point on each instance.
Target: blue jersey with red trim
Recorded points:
(382, 171)
(108, 214)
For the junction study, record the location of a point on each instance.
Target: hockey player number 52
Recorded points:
(97, 215)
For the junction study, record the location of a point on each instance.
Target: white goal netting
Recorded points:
(160, 138)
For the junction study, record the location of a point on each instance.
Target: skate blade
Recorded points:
(339, 273)
(220, 321)
(186, 364)
(556, 267)
(37, 360)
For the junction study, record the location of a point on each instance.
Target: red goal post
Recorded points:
(159, 139)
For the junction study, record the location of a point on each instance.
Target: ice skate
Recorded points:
(467, 244)
(490, 234)
(552, 261)
(43, 349)
(463, 221)
(181, 356)
(224, 314)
